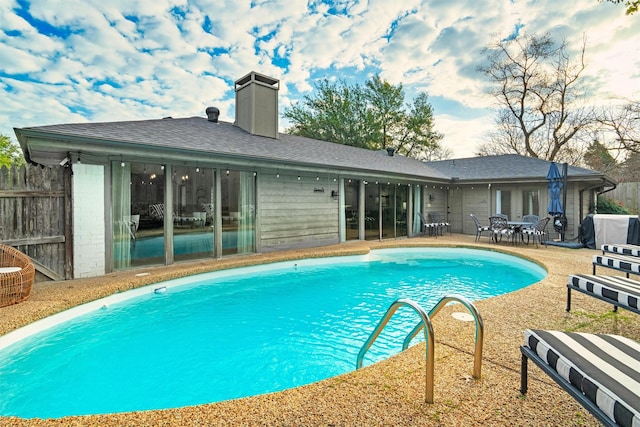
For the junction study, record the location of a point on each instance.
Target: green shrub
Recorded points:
(609, 206)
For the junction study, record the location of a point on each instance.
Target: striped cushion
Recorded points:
(619, 290)
(532, 231)
(622, 249)
(605, 368)
(619, 262)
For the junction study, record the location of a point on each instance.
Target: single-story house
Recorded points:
(164, 190)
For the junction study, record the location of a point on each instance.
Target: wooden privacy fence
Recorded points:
(35, 217)
(628, 193)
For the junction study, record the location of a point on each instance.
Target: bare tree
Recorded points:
(537, 88)
(624, 124)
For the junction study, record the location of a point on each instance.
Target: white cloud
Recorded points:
(462, 136)
(122, 60)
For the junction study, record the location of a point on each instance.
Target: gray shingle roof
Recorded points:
(503, 167)
(203, 139)
(200, 136)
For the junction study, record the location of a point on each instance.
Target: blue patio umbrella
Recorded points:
(555, 190)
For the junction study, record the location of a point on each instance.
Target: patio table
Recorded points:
(517, 227)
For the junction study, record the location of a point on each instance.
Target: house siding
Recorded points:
(296, 213)
(88, 220)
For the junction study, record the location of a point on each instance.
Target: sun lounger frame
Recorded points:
(616, 290)
(528, 354)
(626, 264)
(621, 249)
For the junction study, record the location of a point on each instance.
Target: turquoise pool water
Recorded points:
(235, 333)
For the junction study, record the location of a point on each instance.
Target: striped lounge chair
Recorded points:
(621, 249)
(617, 290)
(602, 372)
(627, 264)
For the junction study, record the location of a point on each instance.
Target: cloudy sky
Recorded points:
(69, 61)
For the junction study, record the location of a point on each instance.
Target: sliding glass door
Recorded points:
(138, 212)
(193, 212)
(238, 210)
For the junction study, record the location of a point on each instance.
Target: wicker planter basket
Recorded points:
(16, 276)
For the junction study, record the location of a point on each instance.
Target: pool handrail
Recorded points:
(428, 336)
(479, 338)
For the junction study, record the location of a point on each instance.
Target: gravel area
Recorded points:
(390, 392)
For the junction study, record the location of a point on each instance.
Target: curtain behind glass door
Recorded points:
(238, 210)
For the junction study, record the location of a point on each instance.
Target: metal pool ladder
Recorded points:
(425, 322)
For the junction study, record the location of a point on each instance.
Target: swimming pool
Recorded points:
(237, 332)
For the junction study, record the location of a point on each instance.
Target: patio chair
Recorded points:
(427, 225)
(532, 219)
(499, 227)
(601, 372)
(538, 231)
(17, 273)
(131, 223)
(440, 224)
(479, 227)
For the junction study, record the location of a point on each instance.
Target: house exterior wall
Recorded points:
(435, 200)
(475, 199)
(480, 200)
(297, 213)
(88, 220)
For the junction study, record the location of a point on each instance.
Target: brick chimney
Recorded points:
(257, 104)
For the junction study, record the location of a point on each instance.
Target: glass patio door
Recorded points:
(193, 212)
(238, 210)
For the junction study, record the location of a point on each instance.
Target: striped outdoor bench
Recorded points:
(628, 264)
(621, 249)
(617, 290)
(602, 372)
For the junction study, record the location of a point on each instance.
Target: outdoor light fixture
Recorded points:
(298, 177)
(227, 171)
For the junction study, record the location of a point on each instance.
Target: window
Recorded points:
(351, 203)
(503, 202)
(531, 202)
